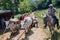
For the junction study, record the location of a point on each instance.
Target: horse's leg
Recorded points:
(36, 25)
(57, 24)
(26, 28)
(29, 26)
(17, 26)
(12, 29)
(54, 25)
(45, 22)
(51, 29)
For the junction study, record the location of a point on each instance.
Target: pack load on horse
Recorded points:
(50, 19)
(13, 25)
(27, 22)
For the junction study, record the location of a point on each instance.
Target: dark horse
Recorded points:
(51, 22)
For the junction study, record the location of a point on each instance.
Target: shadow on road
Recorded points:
(13, 35)
(3, 31)
(55, 36)
(27, 35)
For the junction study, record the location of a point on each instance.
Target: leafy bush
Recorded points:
(31, 5)
(25, 6)
(56, 3)
(6, 4)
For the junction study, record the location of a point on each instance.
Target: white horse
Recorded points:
(27, 23)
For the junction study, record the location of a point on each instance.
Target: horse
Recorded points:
(50, 22)
(13, 26)
(27, 23)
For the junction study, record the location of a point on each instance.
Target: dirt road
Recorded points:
(36, 34)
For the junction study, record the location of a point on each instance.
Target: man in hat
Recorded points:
(51, 11)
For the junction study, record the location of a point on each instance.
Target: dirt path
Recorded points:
(36, 34)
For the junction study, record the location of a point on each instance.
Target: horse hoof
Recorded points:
(26, 33)
(44, 28)
(57, 28)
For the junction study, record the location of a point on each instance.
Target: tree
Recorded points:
(6, 4)
(25, 6)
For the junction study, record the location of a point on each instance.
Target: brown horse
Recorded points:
(14, 27)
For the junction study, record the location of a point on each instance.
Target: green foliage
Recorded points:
(35, 3)
(56, 3)
(6, 4)
(30, 5)
(25, 6)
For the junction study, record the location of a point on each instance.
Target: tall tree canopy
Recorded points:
(5, 4)
(27, 5)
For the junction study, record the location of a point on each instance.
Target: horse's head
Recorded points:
(50, 20)
(44, 15)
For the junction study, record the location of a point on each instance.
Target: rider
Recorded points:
(51, 11)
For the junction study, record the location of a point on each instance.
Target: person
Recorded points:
(51, 11)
